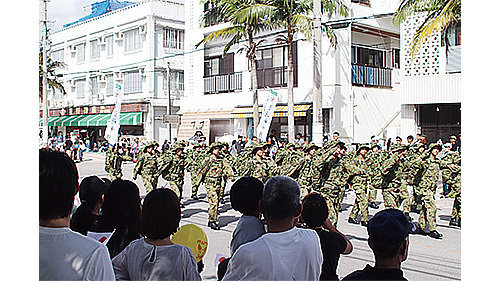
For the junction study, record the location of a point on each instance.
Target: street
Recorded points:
(428, 259)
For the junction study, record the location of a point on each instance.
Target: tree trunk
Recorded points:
(255, 96)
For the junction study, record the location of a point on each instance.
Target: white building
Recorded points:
(361, 84)
(431, 83)
(139, 46)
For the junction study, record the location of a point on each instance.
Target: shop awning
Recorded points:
(279, 111)
(93, 120)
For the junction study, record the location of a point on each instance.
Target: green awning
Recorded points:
(93, 120)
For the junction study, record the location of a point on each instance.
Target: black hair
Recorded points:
(280, 198)
(336, 133)
(314, 210)
(58, 184)
(384, 250)
(409, 137)
(91, 190)
(121, 210)
(161, 214)
(245, 195)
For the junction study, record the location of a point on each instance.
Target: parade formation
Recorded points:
(407, 175)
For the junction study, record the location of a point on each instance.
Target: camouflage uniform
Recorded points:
(262, 169)
(451, 175)
(305, 169)
(425, 188)
(373, 162)
(394, 187)
(359, 171)
(194, 161)
(213, 170)
(172, 170)
(113, 164)
(412, 173)
(334, 188)
(147, 166)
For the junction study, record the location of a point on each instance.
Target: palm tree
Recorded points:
(52, 66)
(293, 15)
(439, 15)
(247, 18)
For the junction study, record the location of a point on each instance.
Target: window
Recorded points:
(110, 85)
(132, 81)
(218, 66)
(453, 34)
(80, 53)
(80, 88)
(95, 51)
(93, 86)
(176, 80)
(368, 56)
(174, 39)
(109, 46)
(58, 55)
(132, 39)
(272, 66)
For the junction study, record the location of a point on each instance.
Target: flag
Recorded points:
(113, 126)
(267, 115)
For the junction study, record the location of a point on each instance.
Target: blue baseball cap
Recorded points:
(389, 226)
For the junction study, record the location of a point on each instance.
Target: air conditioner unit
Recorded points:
(118, 76)
(142, 29)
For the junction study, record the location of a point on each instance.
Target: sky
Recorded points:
(67, 11)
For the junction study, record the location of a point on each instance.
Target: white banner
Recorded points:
(113, 126)
(267, 115)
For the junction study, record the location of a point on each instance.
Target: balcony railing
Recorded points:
(222, 83)
(371, 76)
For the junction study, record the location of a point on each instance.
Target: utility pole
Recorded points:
(45, 46)
(317, 128)
(169, 107)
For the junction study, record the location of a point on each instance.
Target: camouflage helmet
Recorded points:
(373, 145)
(310, 146)
(398, 146)
(258, 146)
(290, 144)
(363, 146)
(214, 145)
(435, 145)
(150, 143)
(197, 145)
(177, 146)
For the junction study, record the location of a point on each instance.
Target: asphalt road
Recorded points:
(429, 259)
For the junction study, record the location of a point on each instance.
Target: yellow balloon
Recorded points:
(194, 238)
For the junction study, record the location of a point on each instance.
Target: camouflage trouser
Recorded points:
(213, 186)
(115, 174)
(195, 175)
(429, 208)
(176, 184)
(396, 196)
(304, 188)
(414, 203)
(222, 189)
(361, 203)
(150, 182)
(333, 196)
(456, 191)
(372, 194)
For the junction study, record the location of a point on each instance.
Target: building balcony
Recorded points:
(223, 83)
(372, 76)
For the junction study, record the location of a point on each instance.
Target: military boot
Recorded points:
(435, 234)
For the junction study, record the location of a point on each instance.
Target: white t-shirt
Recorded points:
(68, 255)
(291, 255)
(143, 261)
(248, 229)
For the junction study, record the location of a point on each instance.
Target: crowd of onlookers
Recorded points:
(278, 237)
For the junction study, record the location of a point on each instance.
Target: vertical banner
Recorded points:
(113, 126)
(267, 115)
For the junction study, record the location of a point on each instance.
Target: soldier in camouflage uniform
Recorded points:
(373, 161)
(283, 152)
(334, 186)
(232, 161)
(451, 175)
(195, 157)
(425, 188)
(114, 160)
(413, 173)
(172, 169)
(359, 172)
(305, 169)
(259, 166)
(213, 170)
(147, 166)
(291, 162)
(394, 185)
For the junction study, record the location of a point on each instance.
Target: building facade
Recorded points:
(431, 83)
(361, 84)
(139, 46)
